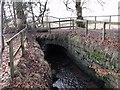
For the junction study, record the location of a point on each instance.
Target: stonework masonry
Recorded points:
(93, 59)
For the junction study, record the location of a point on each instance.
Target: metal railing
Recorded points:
(12, 54)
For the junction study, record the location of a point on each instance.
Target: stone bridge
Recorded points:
(95, 52)
(97, 58)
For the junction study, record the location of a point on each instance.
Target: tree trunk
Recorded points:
(39, 11)
(21, 19)
(14, 14)
(4, 17)
(33, 17)
(45, 7)
(1, 31)
(10, 10)
(79, 13)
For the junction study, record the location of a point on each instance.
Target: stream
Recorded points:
(66, 75)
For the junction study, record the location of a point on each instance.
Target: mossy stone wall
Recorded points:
(95, 60)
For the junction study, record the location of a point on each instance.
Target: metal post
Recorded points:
(104, 32)
(109, 22)
(11, 58)
(22, 43)
(95, 22)
(86, 28)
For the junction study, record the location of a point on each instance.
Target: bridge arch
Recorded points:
(69, 52)
(54, 50)
(51, 48)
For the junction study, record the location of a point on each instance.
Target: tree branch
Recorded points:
(66, 4)
(101, 2)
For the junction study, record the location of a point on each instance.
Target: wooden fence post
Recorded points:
(22, 43)
(50, 27)
(104, 31)
(95, 22)
(47, 20)
(86, 28)
(59, 23)
(73, 23)
(109, 22)
(70, 23)
(11, 59)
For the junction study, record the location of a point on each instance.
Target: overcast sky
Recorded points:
(58, 9)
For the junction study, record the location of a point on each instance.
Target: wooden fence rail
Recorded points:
(12, 54)
(95, 18)
(59, 24)
(86, 22)
(107, 16)
(104, 25)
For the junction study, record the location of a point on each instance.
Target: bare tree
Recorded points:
(21, 19)
(9, 7)
(79, 13)
(41, 7)
(80, 5)
(11, 16)
(14, 13)
(42, 10)
(20, 12)
(4, 16)
(31, 10)
(45, 7)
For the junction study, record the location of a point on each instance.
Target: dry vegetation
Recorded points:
(31, 71)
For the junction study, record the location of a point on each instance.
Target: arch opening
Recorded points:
(56, 51)
(65, 73)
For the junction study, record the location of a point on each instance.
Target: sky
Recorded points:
(58, 9)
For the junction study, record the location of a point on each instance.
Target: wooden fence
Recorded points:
(72, 24)
(12, 54)
(94, 18)
(103, 16)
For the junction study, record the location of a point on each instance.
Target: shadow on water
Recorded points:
(66, 75)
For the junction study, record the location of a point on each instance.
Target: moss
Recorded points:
(108, 56)
(95, 55)
(88, 54)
